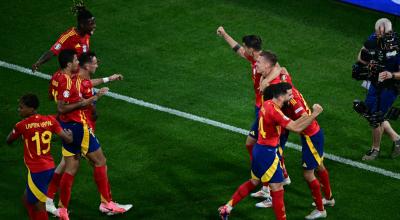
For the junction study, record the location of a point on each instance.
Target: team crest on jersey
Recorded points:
(66, 94)
(57, 46)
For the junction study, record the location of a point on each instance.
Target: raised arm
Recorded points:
(232, 43)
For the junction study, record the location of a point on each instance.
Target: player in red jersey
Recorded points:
(250, 51)
(75, 38)
(70, 106)
(88, 65)
(36, 131)
(265, 163)
(312, 139)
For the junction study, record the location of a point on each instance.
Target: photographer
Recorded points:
(381, 59)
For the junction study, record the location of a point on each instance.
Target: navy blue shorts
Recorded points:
(84, 140)
(388, 96)
(266, 165)
(254, 128)
(36, 189)
(312, 150)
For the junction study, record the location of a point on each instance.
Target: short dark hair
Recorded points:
(269, 56)
(65, 57)
(30, 100)
(276, 90)
(252, 41)
(86, 58)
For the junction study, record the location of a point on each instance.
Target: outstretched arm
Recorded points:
(232, 43)
(63, 107)
(114, 77)
(43, 59)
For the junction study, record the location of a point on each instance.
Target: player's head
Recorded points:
(68, 60)
(27, 105)
(86, 20)
(251, 43)
(281, 92)
(383, 26)
(88, 61)
(266, 62)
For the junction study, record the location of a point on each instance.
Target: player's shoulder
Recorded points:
(87, 83)
(68, 34)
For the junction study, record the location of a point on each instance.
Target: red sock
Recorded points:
(316, 194)
(40, 215)
(29, 207)
(278, 204)
(53, 186)
(326, 185)
(101, 179)
(266, 184)
(65, 189)
(285, 174)
(250, 150)
(242, 192)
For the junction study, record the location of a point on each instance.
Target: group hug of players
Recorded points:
(279, 108)
(71, 87)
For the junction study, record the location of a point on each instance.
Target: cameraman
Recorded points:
(382, 91)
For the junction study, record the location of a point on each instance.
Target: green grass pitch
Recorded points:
(169, 53)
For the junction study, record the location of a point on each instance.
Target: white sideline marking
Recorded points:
(209, 122)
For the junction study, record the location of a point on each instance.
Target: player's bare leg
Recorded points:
(250, 142)
(315, 188)
(107, 206)
(241, 192)
(394, 136)
(376, 143)
(67, 180)
(54, 187)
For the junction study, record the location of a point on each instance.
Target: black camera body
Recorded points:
(375, 118)
(375, 54)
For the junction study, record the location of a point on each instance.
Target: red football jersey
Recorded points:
(73, 41)
(271, 121)
(255, 76)
(69, 91)
(36, 132)
(297, 107)
(53, 85)
(87, 92)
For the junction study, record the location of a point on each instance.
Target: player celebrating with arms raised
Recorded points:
(36, 131)
(312, 138)
(265, 165)
(250, 51)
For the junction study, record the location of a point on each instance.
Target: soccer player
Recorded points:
(36, 131)
(312, 139)
(75, 38)
(265, 165)
(70, 107)
(88, 64)
(250, 51)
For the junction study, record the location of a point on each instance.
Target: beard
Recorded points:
(286, 104)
